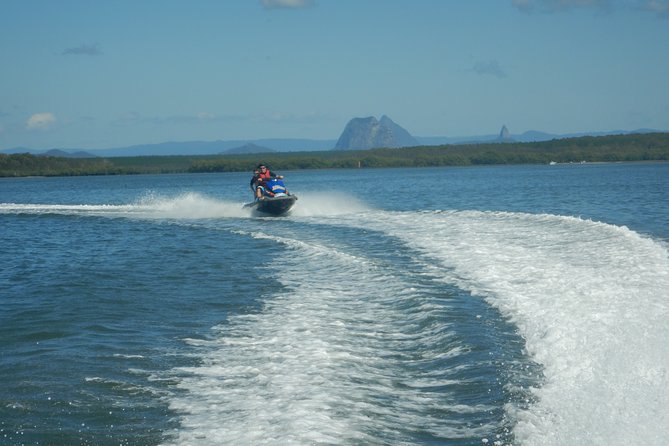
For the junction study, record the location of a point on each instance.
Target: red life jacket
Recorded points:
(262, 177)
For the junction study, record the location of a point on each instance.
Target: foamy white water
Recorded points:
(322, 363)
(591, 301)
(185, 206)
(192, 205)
(68, 209)
(155, 310)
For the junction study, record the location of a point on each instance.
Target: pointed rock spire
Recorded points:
(504, 133)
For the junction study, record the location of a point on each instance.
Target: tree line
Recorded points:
(613, 148)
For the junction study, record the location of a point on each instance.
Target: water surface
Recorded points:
(486, 305)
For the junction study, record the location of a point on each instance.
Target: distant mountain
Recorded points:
(375, 132)
(533, 136)
(217, 147)
(528, 136)
(504, 135)
(442, 140)
(368, 133)
(15, 150)
(70, 153)
(402, 138)
(248, 148)
(198, 147)
(536, 136)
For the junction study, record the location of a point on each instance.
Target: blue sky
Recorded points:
(100, 74)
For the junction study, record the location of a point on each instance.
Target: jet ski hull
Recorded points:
(273, 205)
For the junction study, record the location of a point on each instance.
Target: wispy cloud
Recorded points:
(134, 118)
(659, 7)
(83, 50)
(523, 5)
(129, 118)
(285, 4)
(560, 5)
(40, 121)
(489, 68)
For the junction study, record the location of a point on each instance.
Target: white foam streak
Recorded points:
(592, 302)
(20, 208)
(186, 206)
(316, 364)
(191, 205)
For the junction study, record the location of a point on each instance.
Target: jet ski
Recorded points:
(275, 199)
(277, 205)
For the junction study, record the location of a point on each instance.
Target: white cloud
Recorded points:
(287, 4)
(659, 7)
(559, 5)
(523, 5)
(40, 121)
(83, 50)
(206, 116)
(491, 68)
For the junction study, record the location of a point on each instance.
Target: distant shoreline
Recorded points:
(651, 147)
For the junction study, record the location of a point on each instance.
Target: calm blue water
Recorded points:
(522, 305)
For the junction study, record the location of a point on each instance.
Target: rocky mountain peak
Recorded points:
(504, 134)
(369, 132)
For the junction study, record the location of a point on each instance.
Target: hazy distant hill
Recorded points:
(249, 148)
(528, 136)
(369, 133)
(198, 147)
(70, 153)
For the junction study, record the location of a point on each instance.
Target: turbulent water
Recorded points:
(459, 306)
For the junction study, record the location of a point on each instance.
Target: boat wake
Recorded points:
(355, 343)
(192, 206)
(186, 206)
(591, 301)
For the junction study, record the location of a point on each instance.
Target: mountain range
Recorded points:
(247, 149)
(359, 134)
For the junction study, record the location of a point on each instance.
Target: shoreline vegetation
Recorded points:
(589, 149)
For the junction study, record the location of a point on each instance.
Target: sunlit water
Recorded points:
(464, 306)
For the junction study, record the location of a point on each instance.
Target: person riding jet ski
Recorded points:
(266, 183)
